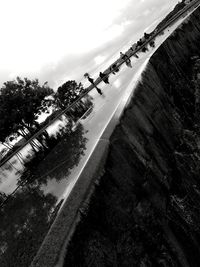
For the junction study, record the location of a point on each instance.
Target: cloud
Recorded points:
(99, 59)
(56, 40)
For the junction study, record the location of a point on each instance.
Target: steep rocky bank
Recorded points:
(146, 209)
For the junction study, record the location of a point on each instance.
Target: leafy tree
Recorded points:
(67, 93)
(21, 102)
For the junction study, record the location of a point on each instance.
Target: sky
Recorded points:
(60, 40)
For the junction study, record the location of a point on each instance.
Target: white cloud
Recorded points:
(35, 32)
(99, 59)
(52, 39)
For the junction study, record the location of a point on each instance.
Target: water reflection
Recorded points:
(56, 164)
(27, 213)
(27, 207)
(25, 219)
(62, 152)
(54, 146)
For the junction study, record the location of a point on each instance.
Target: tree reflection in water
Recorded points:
(63, 153)
(25, 220)
(26, 216)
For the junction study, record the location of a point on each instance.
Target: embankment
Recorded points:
(146, 209)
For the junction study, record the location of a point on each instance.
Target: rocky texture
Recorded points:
(146, 209)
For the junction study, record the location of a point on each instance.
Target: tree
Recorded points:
(21, 102)
(67, 93)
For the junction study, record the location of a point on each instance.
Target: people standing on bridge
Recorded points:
(147, 36)
(114, 68)
(152, 43)
(132, 49)
(126, 58)
(86, 75)
(104, 77)
(128, 63)
(123, 56)
(111, 69)
(139, 43)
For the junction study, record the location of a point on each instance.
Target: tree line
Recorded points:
(22, 101)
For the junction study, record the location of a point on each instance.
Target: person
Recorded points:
(111, 69)
(139, 43)
(86, 75)
(92, 82)
(98, 90)
(104, 77)
(127, 59)
(128, 63)
(133, 48)
(152, 43)
(147, 36)
(115, 67)
(123, 56)
(135, 55)
(144, 49)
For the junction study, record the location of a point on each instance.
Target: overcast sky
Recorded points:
(55, 40)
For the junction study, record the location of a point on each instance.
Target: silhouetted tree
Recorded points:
(67, 93)
(21, 101)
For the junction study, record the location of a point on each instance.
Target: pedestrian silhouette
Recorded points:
(115, 68)
(128, 63)
(132, 49)
(147, 35)
(98, 90)
(104, 77)
(139, 43)
(91, 80)
(144, 49)
(86, 75)
(152, 43)
(123, 56)
(112, 70)
(127, 59)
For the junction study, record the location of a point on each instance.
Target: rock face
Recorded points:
(146, 209)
